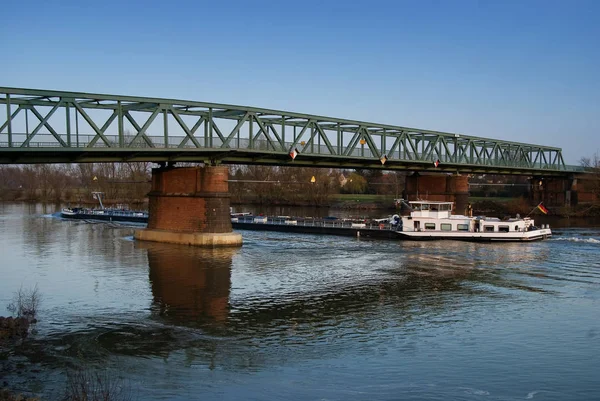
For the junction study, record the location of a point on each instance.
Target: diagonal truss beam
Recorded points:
(260, 134)
(92, 124)
(141, 132)
(44, 123)
(235, 130)
(189, 133)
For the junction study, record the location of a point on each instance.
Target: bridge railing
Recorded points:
(83, 140)
(104, 125)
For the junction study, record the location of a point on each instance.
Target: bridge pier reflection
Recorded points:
(190, 283)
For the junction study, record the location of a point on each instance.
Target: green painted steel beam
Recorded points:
(232, 133)
(43, 94)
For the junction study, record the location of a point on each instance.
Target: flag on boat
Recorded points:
(542, 208)
(436, 163)
(294, 153)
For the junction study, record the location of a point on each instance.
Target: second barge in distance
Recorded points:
(102, 213)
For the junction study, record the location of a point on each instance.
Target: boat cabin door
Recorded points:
(417, 225)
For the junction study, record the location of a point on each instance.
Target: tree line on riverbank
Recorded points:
(129, 183)
(121, 182)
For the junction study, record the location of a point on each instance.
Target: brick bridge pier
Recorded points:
(190, 205)
(553, 191)
(439, 187)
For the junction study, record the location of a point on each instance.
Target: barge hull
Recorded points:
(304, 229)
(529, 236)
(536, 235)
(109, 218)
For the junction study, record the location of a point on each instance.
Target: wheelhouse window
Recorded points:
(430, 226)
(446, 227)
(516, 228)
(489, 229)
(503, 229)
(446, 206)
(462, 227)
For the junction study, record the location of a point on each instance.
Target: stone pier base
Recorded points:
(207, 240)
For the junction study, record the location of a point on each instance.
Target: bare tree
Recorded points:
(59, 178)
(25, 303)
(96, 385)
(592, 165)
(29, 182)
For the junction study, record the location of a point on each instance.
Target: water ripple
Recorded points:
(309, 317)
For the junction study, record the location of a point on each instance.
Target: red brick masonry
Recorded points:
(439, 187)
(190, 199)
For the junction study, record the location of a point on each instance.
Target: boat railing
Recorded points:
(325, 223)
(111, 212)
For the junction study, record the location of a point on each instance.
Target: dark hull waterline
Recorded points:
(367, 232)
(130, 218)
(384, 233)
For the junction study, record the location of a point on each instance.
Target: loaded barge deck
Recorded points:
(328, 226)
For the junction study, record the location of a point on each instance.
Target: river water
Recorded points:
(304, 317)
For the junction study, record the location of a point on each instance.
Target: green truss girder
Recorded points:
(238, 134)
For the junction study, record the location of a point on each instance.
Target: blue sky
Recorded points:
(523, 71)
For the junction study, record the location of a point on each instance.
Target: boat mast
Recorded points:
(98, 195)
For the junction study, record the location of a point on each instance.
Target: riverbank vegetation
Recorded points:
(82, 384)
(15, 329)
(592, 164)
(312, 186)
(121, 182)
(129, 183)
(23, 308)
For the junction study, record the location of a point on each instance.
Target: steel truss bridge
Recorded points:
(42, 126)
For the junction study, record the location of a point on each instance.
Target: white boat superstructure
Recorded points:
(434, 220)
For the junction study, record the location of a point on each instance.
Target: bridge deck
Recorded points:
(41, 126)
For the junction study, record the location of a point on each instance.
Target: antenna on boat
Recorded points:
(98, 195)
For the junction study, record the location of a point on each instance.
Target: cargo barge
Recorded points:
(379, 228)
(118, 214)
(428, 220)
